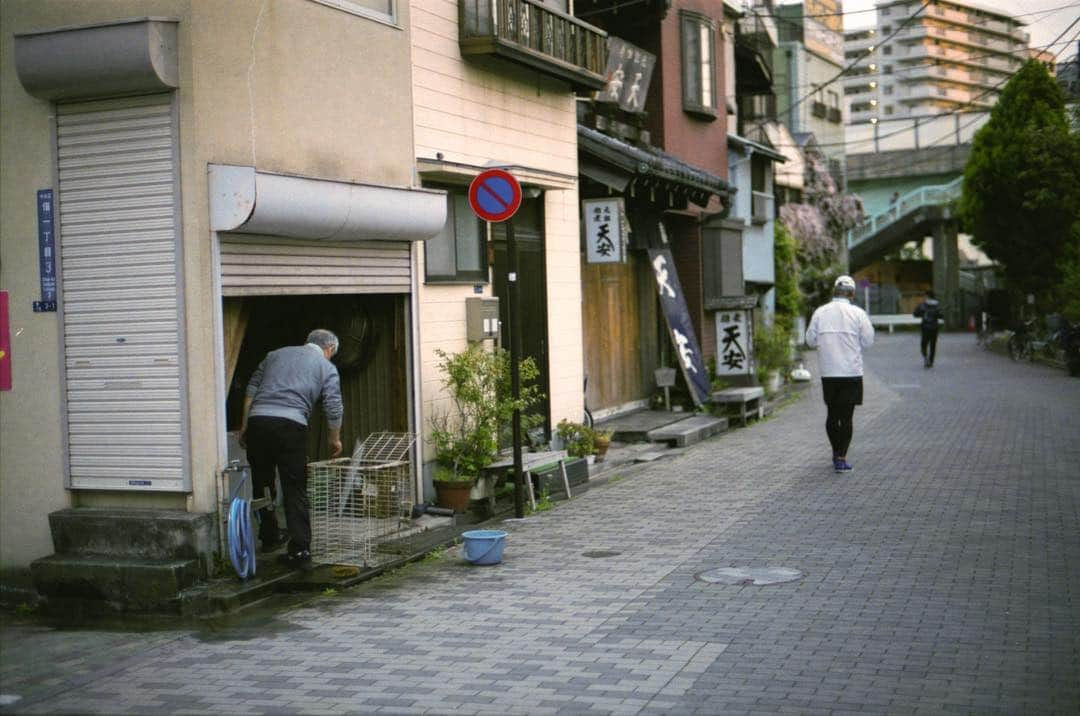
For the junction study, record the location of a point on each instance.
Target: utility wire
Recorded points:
(933, 61)
(856, 61)
(965, 108)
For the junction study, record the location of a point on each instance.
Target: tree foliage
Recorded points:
(789, 300)
(1021, 195)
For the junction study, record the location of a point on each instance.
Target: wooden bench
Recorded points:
(531, 461)
(745, 401)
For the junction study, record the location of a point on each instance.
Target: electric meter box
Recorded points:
(481, 318)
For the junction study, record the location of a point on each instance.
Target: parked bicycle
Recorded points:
(1020, 347)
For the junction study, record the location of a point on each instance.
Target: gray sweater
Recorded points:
(289, 382)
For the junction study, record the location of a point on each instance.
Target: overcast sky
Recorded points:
(1045, 18)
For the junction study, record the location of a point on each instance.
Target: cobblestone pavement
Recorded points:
(943, 575)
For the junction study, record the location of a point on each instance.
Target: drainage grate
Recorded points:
(750, 576)
(597, 553)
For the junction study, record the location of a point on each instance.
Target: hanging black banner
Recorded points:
(679, 324)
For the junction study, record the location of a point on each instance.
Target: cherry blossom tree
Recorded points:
(820, 225)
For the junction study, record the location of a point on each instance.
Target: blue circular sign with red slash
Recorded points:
(495, 195)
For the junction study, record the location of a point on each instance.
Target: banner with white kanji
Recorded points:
(680, 326)
(734, 343)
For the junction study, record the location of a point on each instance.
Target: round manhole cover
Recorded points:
(598, 553)
(750, 576)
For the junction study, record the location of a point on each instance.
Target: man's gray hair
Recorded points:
(323, 339)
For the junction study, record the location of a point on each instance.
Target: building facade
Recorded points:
(810, 56)
(206, 182)
(948, 57)
(487, 95)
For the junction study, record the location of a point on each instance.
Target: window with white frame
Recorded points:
(699, 63)
(377, 9)
(457, 254)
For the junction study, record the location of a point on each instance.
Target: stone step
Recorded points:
(138, 534)
(137, 585)
(635, 427)
(689, 430)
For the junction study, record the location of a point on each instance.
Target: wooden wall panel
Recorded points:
(613, 335)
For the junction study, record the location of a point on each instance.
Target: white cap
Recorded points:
(846, 283)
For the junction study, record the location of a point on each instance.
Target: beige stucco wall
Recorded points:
(476, 112)
(283, 85)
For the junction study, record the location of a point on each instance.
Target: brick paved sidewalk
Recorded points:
(941, 576)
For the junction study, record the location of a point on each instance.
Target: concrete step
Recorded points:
(689, 430)
(117, 584)
(635, 427)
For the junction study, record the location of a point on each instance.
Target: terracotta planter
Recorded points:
(601, 448)
(453, 495)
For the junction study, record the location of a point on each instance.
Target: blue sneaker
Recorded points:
(842, 465)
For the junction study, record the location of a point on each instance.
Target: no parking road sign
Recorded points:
(495, 195)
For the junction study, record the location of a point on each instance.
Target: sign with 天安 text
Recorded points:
(629, 71)
(603, 230)
(680, 327)
(733, 343)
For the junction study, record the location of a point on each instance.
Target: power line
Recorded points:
(899, 162)
(965, 107)
(851, 65)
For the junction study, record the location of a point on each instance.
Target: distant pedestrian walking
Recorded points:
(280, 396)
(840, 331)
(930, 311)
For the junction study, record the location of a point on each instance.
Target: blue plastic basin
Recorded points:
(484, 546)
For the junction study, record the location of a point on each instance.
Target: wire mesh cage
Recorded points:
(359, 502)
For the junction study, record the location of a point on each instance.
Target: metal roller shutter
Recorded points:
(121, 299)
(266, 266)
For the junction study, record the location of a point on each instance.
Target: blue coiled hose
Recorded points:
(240, 535)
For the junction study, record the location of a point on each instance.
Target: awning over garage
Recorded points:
(247, 201)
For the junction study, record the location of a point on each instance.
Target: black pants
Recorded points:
(928, 343)
(841, 397)
(282, 444)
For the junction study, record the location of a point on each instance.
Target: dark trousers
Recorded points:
(841, 397)
(928, 345)
(281, 444)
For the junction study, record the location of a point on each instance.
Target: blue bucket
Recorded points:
(484, 546)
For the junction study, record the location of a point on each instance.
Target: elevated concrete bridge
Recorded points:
(909, 195)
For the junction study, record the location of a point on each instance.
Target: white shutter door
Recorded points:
(120, 294)
(266, 266)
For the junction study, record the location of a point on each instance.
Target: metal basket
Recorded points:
(361, 501)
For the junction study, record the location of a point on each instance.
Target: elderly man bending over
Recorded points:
(278, 403)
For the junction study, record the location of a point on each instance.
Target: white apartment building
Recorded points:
(953, 56)
(810, 55)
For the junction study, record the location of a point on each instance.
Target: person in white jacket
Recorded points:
(840, 331)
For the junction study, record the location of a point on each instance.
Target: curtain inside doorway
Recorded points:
(235, 313)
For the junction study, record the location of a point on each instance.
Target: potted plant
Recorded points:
(772, 354)
(466, 436)
(602, 440)
(578, 440)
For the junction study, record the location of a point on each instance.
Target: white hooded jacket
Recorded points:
(840, 332)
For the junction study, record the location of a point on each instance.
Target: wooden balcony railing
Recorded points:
(531, 34)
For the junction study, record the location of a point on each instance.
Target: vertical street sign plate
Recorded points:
(495, 195)
(46, 252)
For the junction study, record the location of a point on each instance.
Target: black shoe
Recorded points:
(298, 560)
